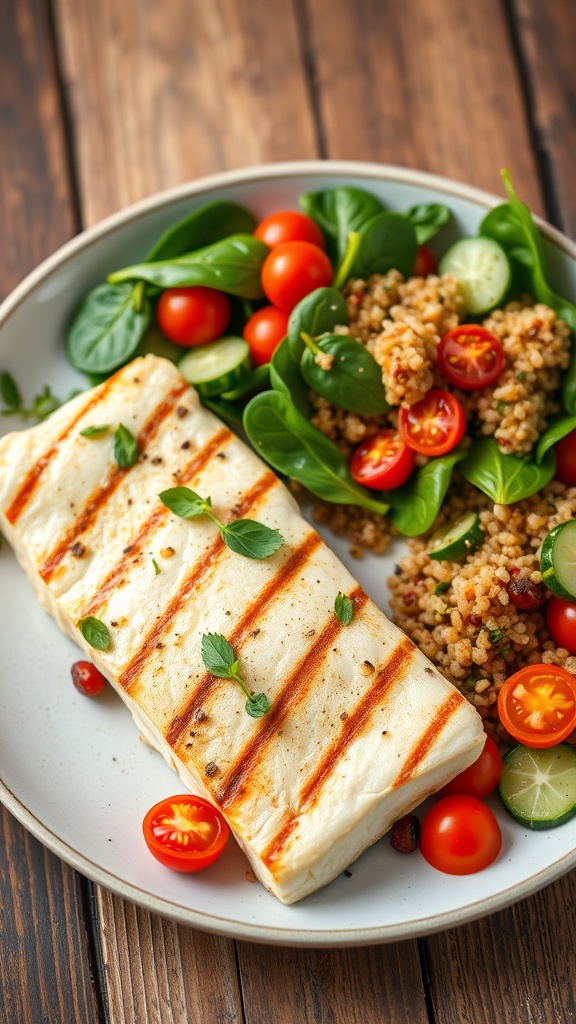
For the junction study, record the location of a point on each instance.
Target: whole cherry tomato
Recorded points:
(481, 778)
(470, 357)
(185, 832)
(193, 316)
(288, 226)
(434, 425)
(565, 452)
(561, 621)
(382, 462)
(460, 835)
(87, 679)
(537, 705)
(292, 270)
(426, 262)
(264, 332)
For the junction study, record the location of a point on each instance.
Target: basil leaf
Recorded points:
(354, 380)
(251, 539)
(257, 705)
(387, 242)
(338, 211)
(553, 433)
(94, 431)
(106, 329)
(95, 633)
(202, 227)
(218, 655)
(184, 502)
(10, 392)
(505, 478)
(427, 219)
(231, 265)
(125, 447)
(415, 505)
(286, 439)
(316, 314)
(343, 609)
(285, 377)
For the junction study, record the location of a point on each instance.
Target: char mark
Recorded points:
(421, 748)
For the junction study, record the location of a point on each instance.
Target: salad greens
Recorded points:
(505, 478)
(415, 505)
(353, 379)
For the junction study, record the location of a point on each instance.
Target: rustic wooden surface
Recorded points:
(103, 103)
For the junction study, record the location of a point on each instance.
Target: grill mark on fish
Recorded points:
(192, 469)
(294, 690)
(129, 674)
(32, 479)
(282, 578)
(100, 496)
(352, 728)
(419, 751)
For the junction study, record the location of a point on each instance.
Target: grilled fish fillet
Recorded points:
(362, 727)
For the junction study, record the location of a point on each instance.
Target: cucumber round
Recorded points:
(538, 786)
(217, 367)
(558, 560)
(482, 270)
(454, 540)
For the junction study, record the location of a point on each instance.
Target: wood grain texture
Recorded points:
(547, 35)
(427, 85)
(162, 93)
(159, 971)
(341, 986)
(36, 209)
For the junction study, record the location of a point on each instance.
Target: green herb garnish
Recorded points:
(101, 428)
(42, 405)
(343, 609)
(442, 587)
(156, 567)
(125, 447)
(496, 635)
(95, 633)
(244, 536)
(219, 658)
(501, 407)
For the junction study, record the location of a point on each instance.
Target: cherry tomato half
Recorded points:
(537, 705)
(292, 270)
(565, 452)
(481, 778)
(460, 835)
(192, 316)
(87, 679)
(382, 462)
(264, 332)
(470, 357)
(434, 425)
(561, 621)
(288, 226)
(426, 262)
(185, 832)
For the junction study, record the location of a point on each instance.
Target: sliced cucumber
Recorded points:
(481, 268)
(538, 786)
(454, 540)
(217, 367)
(558, 560)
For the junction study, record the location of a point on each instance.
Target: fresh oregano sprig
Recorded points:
(244, 536)
(343, 609)
(42, 405)
(219, 658)
(95, 633)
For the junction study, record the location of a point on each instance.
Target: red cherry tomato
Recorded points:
(288, 226)
(382, 462)
(537, 705)
(87, 679)
(460, 835)
(192, 316)
(264, 332)
(565, 452)
(561, 621)
(292, 270)
(470, 357)
(481, 778)
(434, 425)
(185, 833)
(426, 262)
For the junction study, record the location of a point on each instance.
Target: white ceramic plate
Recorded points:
(75, 772)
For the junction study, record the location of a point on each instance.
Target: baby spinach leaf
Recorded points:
(387, 242)
(415, 505)
(202, 227)
(427, 219)
(293, 446)
(285, 377)
(231, 265)
(338, 211)
(501, 225)
(354, 380)
(316, 314)
(505, 478)
(556, 430)
(106, 329)
(257, 380)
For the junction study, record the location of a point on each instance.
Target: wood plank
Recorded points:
(547, 33)
(428, 85)
(163, 93)
(159, 971)
(322, 986)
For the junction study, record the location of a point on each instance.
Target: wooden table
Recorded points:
(105, 101)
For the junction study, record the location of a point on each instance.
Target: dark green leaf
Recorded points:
(184, 502)
(106, 329)
(257, 380)
(232, 412)
(218, 655)
(338, 211)
(554, 432)
(94, 431)
(442, 587)
(501, 225)
(202, 227)
(316, 314)
(251, 539)
(9, 391)
(257, 705)
(354, 380)
(343, 609)
(388, 242)
(125, 447)
(415, 505)
(285, 377)
(231, 265)
(427, 219)
(285, 438)
(505, 478)
(45, 403)
(496, 635)
(95, 633)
